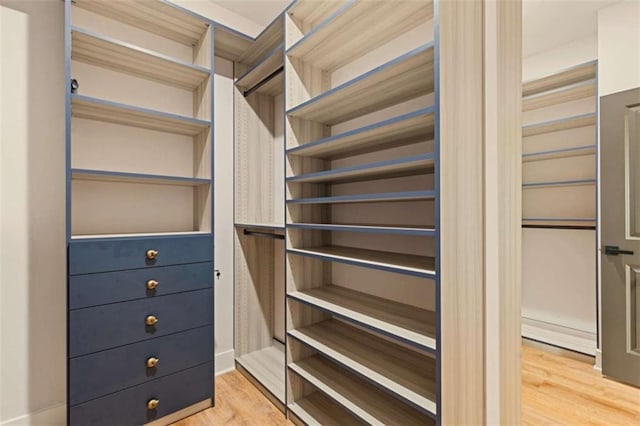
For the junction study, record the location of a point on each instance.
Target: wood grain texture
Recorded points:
(317, 409)
(359, 29)
(155, 16)
(461, 211)
(111, 112)
(567, 77)
(392, 318)
(561, 391)
(361, 398)
(408, 76)
(509, 145)
(98, 50)
(567, 123)
(254, 287)
(307, 14)
(237, 402)
(406, 374)
(230, 45)
(268, 367)
(560, 95)
(254, 159)
(556, 390)
(269, 39)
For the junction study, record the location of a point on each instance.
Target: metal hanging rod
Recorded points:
(263, 234)
(263, 81)
(578, 227)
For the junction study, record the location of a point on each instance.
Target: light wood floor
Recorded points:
(555, 391)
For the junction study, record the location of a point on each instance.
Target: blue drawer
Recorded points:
(107, 326)
(129, 407)
(91, 256)
(106, 372)
(111, 287)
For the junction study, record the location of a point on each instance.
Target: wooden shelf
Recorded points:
(418, 231)
(269, 65)
(567, 123)
(367, 198)
(265, 226)
(109, 176)
(96, 49)
(139, 235)
(586, 71)
(408, 323)
(559, 183)
(112, 112)
(558, 219)
(313, 11)
(356, 29)
(559, 153)
(408, 166)
(268, 367)
(405, 129)
(156, 16)
(404, 78)
(403, 373)
(229, 43)
(409, 264)
(561, 95)
(268, 40)
(318, 410)
(370, 404)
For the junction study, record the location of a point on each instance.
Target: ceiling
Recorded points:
(259, 11)
(546, 23)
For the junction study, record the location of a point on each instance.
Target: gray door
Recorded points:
(620, 192)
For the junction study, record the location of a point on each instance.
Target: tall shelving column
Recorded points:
(361, 202)
(559, 207)
(259, 216)
(139, 212)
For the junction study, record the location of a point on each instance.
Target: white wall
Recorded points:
(619, 47)
(33, 273)
(222, 16)
(32, 208)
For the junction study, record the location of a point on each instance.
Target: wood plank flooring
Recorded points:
(555, 391)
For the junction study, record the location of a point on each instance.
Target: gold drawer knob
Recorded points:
(151, 254)
(151, 320)
(152, 362)
(152, 284)
(152, 404)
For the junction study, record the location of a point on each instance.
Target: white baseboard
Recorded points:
(557, 335)
(52, 416)
(598, 364)
(225, 362)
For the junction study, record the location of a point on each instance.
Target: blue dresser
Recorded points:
(140, 327)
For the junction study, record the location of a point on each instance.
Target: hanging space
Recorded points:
(559, 209)
(360, 260)
(259, 213)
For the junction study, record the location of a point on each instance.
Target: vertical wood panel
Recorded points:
(460, 51)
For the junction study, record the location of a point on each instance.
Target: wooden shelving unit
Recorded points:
(351, 176)
(409, 324)
(259, 199)
(396, 81)
(112, 112)
(559, 205)
(362, 399)
(96, 49)
(354, 30)
(557, 97)
(139, 209)
(374, 359)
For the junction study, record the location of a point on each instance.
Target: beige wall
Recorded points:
(619, 47)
